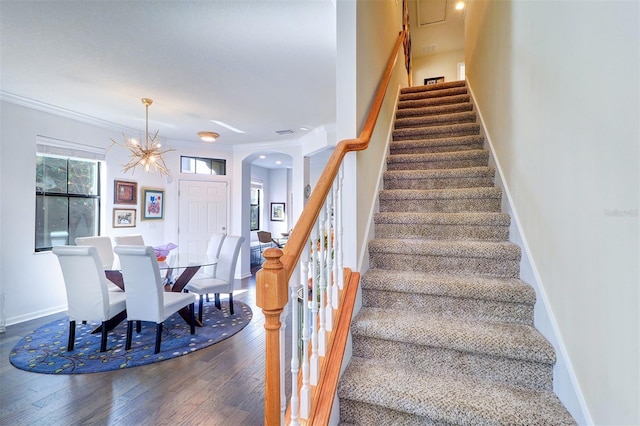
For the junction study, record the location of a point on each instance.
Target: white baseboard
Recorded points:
(35, 315)
(565, 382)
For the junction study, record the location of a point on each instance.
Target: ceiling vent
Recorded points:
(284, 132)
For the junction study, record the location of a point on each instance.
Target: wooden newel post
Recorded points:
(272, 296)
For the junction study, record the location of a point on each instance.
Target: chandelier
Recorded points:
(147, 155)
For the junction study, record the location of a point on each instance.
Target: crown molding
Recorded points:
(62, 112)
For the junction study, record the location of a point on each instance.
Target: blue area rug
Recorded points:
(45, 350)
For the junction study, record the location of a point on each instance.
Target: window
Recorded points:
(67, 196)
(256, 190)
(203, 166)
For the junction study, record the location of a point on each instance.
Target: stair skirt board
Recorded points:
(445, 334)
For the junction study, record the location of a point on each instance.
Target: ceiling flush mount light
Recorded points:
(208, 136)
(147, 155)
(460, 5)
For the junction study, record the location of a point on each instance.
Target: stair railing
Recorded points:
(324, 288)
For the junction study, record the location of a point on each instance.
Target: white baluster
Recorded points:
(328, 266)
(283, 363)
(305, 392)
(322, 332)
(335, 291)
(340, 232)
(314, 361)
(295, 320)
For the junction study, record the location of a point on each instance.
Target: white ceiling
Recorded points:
(260, 66)
(439, 37)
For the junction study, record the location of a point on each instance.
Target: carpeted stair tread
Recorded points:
(440, 194)
(444, 232)
(464, 257)
(449, 200)
(425, 179)
(513, 341)
(441, 399)
(429, 102)
(481, 155)
(508, 301)
(433, 87)
(445, 91)
(460, 249)
(434, 110)
(465, 172)
(436, 120)
(511, 290)
(472, 218)
(418, 146)
(439, 131)
(488, 226)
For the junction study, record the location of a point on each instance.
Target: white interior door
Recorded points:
(202, 211)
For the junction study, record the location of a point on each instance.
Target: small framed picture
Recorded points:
(152, 204)
(433, 80)
(125, 192)
(277, 212)
(124, 218)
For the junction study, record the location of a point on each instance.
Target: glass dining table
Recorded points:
(176, 271)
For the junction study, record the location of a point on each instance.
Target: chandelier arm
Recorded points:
(148, 154)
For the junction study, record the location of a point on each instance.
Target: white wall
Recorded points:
(440, 64)
(32, 282)
(373, 52)
(558, 84)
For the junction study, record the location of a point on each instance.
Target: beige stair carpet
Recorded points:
(445, 335)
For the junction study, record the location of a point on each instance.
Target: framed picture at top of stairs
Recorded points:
(433, 80)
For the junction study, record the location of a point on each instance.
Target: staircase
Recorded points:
(445, 334)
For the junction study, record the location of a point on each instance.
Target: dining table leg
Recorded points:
(116, 278)
(179, 285)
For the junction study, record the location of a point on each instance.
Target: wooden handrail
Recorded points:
(272, 280)
(300, 234)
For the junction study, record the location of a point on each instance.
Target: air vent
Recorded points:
(428, 50)
(284, 132)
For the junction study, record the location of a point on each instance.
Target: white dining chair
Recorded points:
(144, 290)
(104, 247)
(222, 281)
(88, 298)
(212, 254)
(105, 251)
(129, 240)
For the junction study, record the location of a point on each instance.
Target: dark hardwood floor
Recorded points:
(219, 385)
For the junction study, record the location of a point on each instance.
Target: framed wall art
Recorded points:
(152, 204)
(277, 212)
(124, 218)
(125, 192)
(433, 80)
